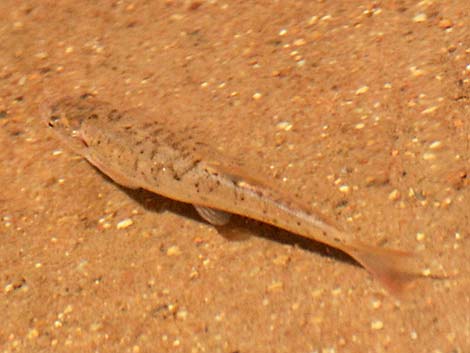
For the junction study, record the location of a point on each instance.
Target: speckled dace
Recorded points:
(138, 151)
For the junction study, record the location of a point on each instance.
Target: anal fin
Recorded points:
(213, 216)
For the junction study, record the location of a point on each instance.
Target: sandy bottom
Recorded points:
(360, 110)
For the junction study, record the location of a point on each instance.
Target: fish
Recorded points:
(136, 150)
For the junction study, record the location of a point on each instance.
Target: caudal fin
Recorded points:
(395, 269)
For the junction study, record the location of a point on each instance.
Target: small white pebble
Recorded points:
(420, 236)
(416, 71)
(337, 181)
(41, 55)
(429, 110)
(95, 326)
(182, 314)
(360, 126)
(284, 125)
(447, 201)
(421, 17)
(312, 20)
(124, 223)
(316, 293)
(362, 90)
(69, 50)
(426, 272)
(434, 145)
(173, 251)
(33, 333)
(376, 325)
(8, 288)
(328, 350)
(172, 307)
(428, 156)
(458, 236)
(376, 303)
(394, 195)
(283, 32)
(344, 188)
(275, 286)
(451, 337)
(257, 96)
(336, 291)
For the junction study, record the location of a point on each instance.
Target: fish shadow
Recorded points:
(239, 228)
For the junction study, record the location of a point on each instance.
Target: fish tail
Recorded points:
(394, 269)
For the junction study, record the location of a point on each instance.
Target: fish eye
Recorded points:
(53, 120)
(86, 96)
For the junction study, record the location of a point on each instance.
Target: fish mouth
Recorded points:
(65, 117)
(64, 123)
(71, 135)
(82, 139)
(67, 114)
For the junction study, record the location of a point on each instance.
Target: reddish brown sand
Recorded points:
(359, 108)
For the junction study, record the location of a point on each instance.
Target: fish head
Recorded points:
(66, 115)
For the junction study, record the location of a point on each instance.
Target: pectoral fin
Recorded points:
(213, 216)
(116, 175)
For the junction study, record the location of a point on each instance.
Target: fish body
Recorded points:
(138, 151)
